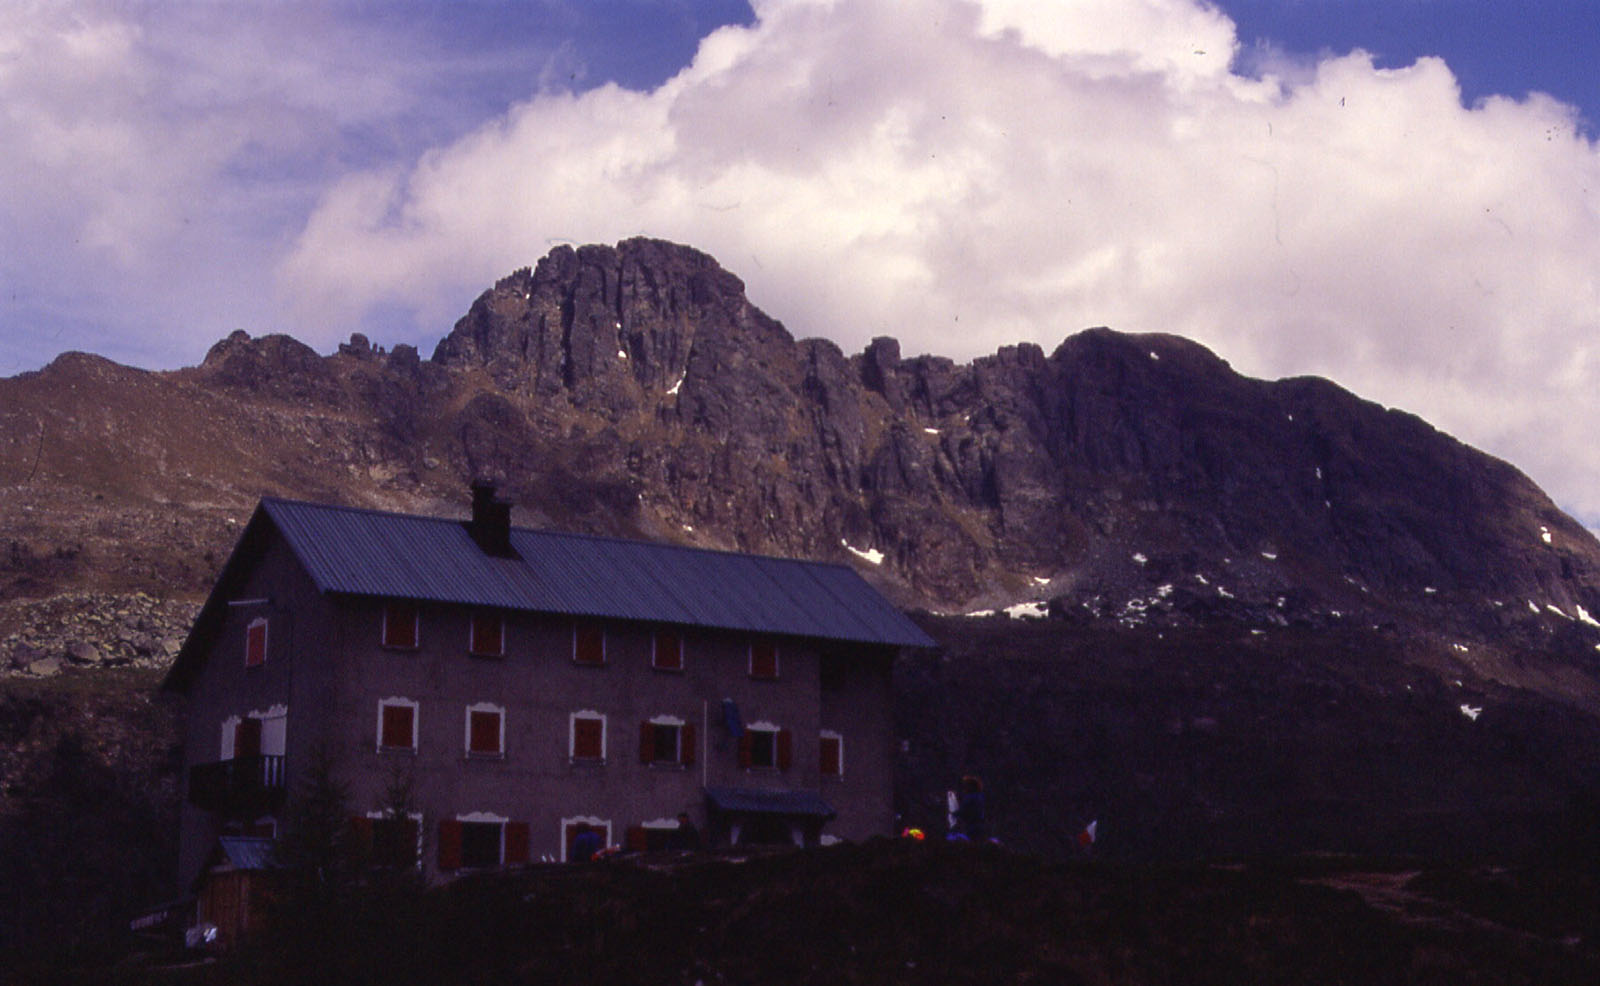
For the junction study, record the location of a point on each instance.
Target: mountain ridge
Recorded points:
(634, 390)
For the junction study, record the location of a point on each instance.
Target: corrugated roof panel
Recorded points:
(248, 853)
(366, 552)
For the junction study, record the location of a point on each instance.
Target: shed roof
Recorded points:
(370, 553)
(246, 853)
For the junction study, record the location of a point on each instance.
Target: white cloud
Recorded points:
(160, 157)
(964, 178)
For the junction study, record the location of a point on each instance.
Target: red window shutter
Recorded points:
(485, 732)
(763, 659)
(361, 833)
(255, 644)
(589, 645)
(400, 625)
(830, 756)
(449, 844)
(669, 650)
(247, 739)
(488, 635)
(399, 726)
(516, 842)
(686, 739)
(744, 748)
(587, 739)
(647, 742)
(785, 741)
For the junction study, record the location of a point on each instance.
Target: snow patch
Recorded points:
(871, 556)
(1163, 591)
(930, 431)
(1224, 593)
(621, 354)
(1319, 472)
(1269, 556)
(1033, 610)
(1201, 579)
(1472, 711)
(1430, 590)
(1155, 356)
(1040, 580)
(1557, 610)
(1139, 558)
(673, 390)
(1533, 606)
(1584, 617)
(1544, 534)
(689, 528)
(1460, 647)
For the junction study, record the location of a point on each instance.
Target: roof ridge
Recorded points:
(548, 532)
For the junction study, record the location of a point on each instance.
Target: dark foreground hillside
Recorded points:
(905, 912)
(1201, 742)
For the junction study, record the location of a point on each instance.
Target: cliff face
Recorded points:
(634, 389)
(1017, 476)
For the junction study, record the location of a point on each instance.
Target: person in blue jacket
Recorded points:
(970, 814)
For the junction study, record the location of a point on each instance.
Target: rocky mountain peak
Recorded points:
(634, 389)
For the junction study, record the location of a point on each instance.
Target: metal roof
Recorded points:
(762, 802)
(247, 853)
(371, 553)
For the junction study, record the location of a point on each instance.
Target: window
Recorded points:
(402, 626)
(667, 652)
(667, 740)
(261, 732)
(587, 740)
(397, 724)
(764, 745)
(486, 730)
(391, 840)
(255, 643)
(571, 828)
(588, 644)
(832, 754)
(486, 635)
(763, 659)
(481, 841)
(482, 844)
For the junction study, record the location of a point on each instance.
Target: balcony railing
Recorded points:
(241, 784)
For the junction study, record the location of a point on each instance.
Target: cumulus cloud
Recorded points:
(159, 157)
(967, 175)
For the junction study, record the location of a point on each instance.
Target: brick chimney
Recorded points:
(490, 526)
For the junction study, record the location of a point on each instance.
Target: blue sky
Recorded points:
(1492, 46)
(1403, 196)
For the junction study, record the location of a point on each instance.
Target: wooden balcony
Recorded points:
(242, 784)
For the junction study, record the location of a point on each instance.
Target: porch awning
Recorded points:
(754, 801)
